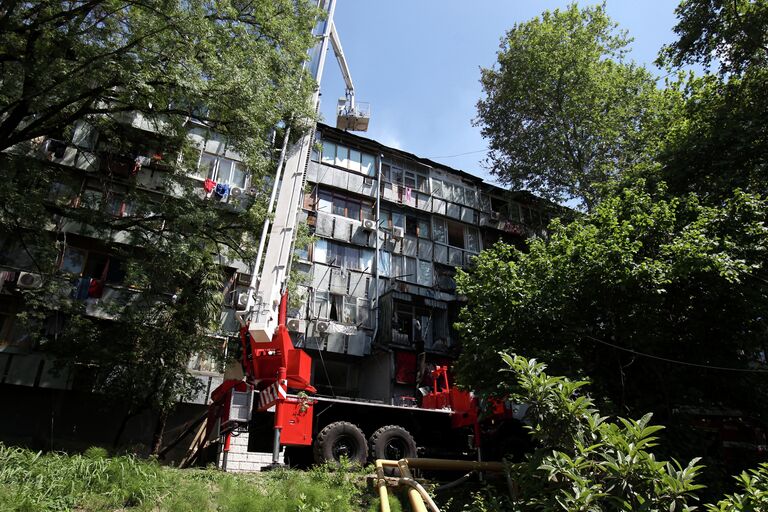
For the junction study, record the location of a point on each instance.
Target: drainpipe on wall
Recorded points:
(375, 308)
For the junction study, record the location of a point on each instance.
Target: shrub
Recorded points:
(583, 461)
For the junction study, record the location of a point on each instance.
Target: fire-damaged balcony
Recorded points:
(417, 322)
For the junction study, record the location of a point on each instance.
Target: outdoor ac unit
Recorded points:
(295, 325)
(242, 300)
(369, 224)
(235, 191)
(398, 232)
(495, 215)
(29, 280)
(322, 327)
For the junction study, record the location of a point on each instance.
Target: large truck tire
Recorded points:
(341, 439)
(392, 442)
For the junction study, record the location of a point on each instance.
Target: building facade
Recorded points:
(376, 297)
(84, 264)
(377, 289)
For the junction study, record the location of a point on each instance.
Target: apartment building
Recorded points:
(95, 177)
(378, 295)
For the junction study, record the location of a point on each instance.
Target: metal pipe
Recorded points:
(225, 451)
(375, 309)
(458, 465)
(455, 483)
(381, 485)
(414, 496)
(276, 447)
(410, 482)
(417, 495)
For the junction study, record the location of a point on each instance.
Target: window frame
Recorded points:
(214, 171)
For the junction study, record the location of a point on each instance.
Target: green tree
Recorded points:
(647, 297)
(730, 32)
(717, 139)
(88, 73)
(235, 65)
(583, 461)
(564, 111)
(753, 495)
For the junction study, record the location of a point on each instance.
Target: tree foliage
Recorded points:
(752, 495)
(564, 111)
(235, 65)
(730, 32)
(658, 294)
(585, 462)
(647, 297)
(136, 78)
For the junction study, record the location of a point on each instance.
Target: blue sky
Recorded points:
(417, 62)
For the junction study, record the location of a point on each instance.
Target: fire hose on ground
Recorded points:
(417, 496)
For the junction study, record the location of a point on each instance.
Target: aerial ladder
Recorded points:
(270, 362)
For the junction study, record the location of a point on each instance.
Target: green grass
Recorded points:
(34, 482)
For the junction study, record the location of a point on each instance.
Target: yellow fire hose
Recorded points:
(417, 495)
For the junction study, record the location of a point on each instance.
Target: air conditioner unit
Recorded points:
(235, 191)
(295, 325)
(29, 280)
(398, 232)
(495, 215)
(242, 300)
(322, 327)
(369, 224)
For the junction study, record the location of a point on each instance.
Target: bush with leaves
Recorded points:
(753, 495)
(583, 461)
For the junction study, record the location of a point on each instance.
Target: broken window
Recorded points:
(411, 225)
(455, 234)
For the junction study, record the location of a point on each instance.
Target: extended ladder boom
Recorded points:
(264, 294)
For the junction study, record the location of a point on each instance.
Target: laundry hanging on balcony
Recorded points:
(222, 190)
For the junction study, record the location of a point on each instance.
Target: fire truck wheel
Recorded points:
(392, 442)
(340, 439)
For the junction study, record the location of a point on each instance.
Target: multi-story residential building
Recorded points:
(379, 298)
(91, 175)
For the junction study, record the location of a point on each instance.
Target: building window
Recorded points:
(424, 275)
(423, 228)
(454, 193)
(348, 158)
(472, 239)
(221, 170)
(397, 174)
(344, 256)
(92, 264)
(321, 307)
(439, 231)
(455, 234)
(328, 202)
(384, 263)
(411, 226)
